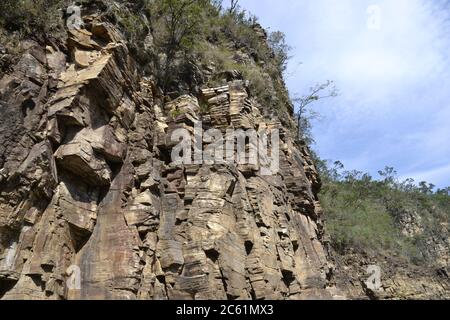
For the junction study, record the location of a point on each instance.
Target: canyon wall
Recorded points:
(93, 204)
(89, 190)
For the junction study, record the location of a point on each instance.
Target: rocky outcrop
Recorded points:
(399, 279)
(424, 276)
(88, 187)
(381, 274)
(93, 205)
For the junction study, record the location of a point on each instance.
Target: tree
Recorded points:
(305, 114)
(277, 41)
(181, 21)
(408, 185)
(335, 172)
(175, 25)
(444, 192)
(234, 6)
(31, 17)
(389, 175)
(426, 188)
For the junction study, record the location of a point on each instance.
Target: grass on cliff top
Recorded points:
(207, 35)
(31, 17)
(167, 37)
(367, 215)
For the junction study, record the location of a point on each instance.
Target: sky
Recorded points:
(390, 62)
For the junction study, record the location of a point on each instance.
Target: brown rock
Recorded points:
(88, 188)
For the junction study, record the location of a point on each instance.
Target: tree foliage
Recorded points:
(175, 26)
(277, 41)
(367, 214)
(31, 16)
(177, 22)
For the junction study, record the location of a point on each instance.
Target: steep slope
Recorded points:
(395, 227)
(89, 191)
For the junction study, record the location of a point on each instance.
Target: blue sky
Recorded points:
(390, 61)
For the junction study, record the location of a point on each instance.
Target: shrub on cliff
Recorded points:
(176, 25)
(376, 216)
(165, 37)
(31, 16)
(277, 41)
(190, 35)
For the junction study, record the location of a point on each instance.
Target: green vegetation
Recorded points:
(193, 35)
(176, 41)
(23, 19)
(188, 37)
(186, 44)
(27, 17)
(277, 41)
(370, 215)
(376, 216)
(176, 25)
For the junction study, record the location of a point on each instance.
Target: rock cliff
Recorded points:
(88, 188)
(93, 205)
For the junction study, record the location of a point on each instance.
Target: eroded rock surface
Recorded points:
(399, 279)
(88, 187)
(92, 205)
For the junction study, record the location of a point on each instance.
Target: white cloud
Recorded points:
(439, 176)
(394, 107)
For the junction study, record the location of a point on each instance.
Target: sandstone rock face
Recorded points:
(399, 279)
(93, 206)
(88, 188)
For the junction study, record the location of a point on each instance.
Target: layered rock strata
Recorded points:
(89, 190)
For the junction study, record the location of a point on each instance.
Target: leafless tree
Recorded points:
(305, 114)
(234, 5)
